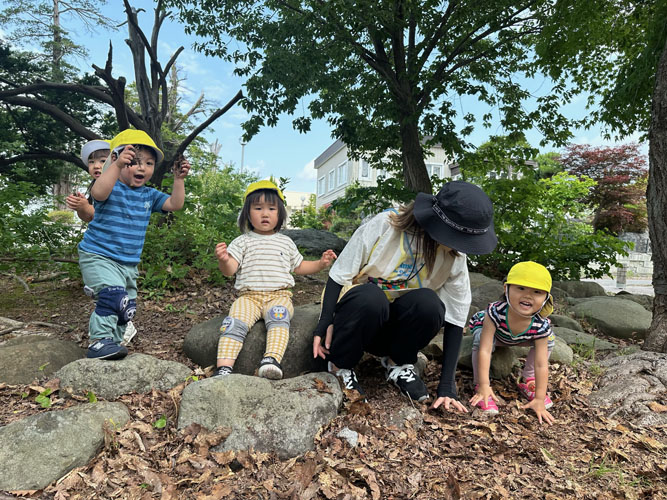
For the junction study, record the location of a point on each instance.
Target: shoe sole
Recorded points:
(270, 372)
(110, 357)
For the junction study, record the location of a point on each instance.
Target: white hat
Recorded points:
(90, 147)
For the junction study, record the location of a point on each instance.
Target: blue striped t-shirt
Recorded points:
(119, 227)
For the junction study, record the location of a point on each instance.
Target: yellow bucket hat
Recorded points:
(256, 186)
(131, 136)
(533, 275)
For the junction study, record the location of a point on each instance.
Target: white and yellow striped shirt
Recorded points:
(265, 261)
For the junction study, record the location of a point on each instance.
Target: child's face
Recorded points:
(526, 300)
(141, 170)
(263, 216)
(95, 164)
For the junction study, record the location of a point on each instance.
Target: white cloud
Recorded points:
(308, 172)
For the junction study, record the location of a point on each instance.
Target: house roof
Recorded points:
(328, 153)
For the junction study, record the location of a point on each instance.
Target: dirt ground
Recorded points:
(583, 455)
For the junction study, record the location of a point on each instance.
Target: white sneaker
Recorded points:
(130, 332)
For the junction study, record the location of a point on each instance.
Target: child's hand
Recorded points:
(181, 168)
(221, 252)
(327, 258)
(484, 393)
(76, 201)
(447, 402)
(126, 157)
(542, 414)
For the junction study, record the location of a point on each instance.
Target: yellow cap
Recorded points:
(130, 136)
(256, 186)
(533, 275)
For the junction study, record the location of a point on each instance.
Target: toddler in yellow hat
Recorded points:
(111, 247)
(263, 260)
(520, 318)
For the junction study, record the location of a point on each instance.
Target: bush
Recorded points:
(64, 216)
(183, 243)
(543, 222)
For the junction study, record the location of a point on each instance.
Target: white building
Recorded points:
(336, 170)
(295, 200)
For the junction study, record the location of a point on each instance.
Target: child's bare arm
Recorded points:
(105, 182)
(79, 203)
(227, 264)
(484, 391)
(315, 266)
(177, 198)
(541, 381)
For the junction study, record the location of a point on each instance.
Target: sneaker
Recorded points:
(130, 332)
(406, 379)
(270, 368)
(491, 407)
(106, 348)
(527, 390)
(223, 371)
(349, 379)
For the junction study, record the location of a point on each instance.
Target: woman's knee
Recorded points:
(368, 297)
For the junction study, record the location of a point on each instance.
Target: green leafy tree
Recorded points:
(628, 93)
(386, 74)
(309, 216)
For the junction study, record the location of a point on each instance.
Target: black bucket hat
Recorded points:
(460, 217)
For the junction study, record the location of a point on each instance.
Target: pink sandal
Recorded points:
(527, 390)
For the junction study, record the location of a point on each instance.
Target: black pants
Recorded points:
(365, 321)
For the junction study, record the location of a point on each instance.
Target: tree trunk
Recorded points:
(656, 201)
(414, 168)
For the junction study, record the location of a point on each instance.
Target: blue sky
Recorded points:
(278, 151)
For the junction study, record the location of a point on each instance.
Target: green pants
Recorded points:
(100, 272)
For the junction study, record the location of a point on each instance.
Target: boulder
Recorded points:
(42, 448)
(110, 379)
(486, 293)
(26, 358)
(315, 241)
(615, 317)
(580, 288)
(586, 340)
(565, 322)
(201, 343)
(477, 279)
(280, 416)
(646, 301)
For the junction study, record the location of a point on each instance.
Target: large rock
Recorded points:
(615, 317)
(272, 416)
(565, 322)
(477, 279)
(201, 343)
(42, 448)
(646, 301)
(110, 379)
(580, 288)
(315, 241)
(30, 357)
(486, 293)
(586, 340)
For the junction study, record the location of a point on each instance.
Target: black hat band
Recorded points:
(451, 223)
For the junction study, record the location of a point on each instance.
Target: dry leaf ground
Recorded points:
(584, 455)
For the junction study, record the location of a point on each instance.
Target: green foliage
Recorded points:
(27, 235)
(160, 423)
(183, 244)
(311, 217)
(542, 222)
(64, 216)
(43, 398)
(91, 397)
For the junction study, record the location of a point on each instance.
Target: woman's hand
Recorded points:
(319, 349)
(447, 402)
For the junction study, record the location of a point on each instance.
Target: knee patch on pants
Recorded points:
(113, 300)
(234, 329)
(277, 316)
